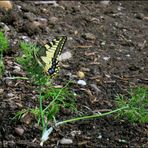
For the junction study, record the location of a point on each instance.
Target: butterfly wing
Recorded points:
(52, 50)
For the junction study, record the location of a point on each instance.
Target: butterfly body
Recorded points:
(52, 69)
(51, 51)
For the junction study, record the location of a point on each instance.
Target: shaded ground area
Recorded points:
(109, 44)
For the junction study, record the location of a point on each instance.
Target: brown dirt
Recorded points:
(113, 58)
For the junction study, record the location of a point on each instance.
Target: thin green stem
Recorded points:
(14, 78)
(55, 97)
(42, 112)
(92, 116)
(49, 131)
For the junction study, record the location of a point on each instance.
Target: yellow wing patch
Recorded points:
(49, 60)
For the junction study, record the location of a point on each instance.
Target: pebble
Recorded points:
(106, 58)
(7, 5)
(66, 141)
(1, 91)
(94, 86)
(80, 74)
(8, 82)
(17, 72)
(19, 105)
(19, 131)
(17, 68)
(54, 3)
(25, 38)
(11, 137)
(26, 119)
(100, 136)
(4, 26)
(105, 3)
(9, 62)
(89, 36)
(11, 144)
(139, 16)
(128, 55)
(65, 56)
(40, 23)
(36, 24)
(41, 19)
(103, 43)
(74, 133)
(32, 27)
(10, 95)
(81, 82)
(145, 18)
(30, 16)
(53, 20)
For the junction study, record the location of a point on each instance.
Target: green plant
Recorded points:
(134, 108)
(58, 97)
(47, 132)
(2, 66)
(3, 43)
(3, 47)
(35, 72)
(137, 110)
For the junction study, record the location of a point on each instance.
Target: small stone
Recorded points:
(66, 141)
(103, 43)
(122, 141)
(105, 3)
(7, 5)
(106, 58)
(25, 38)
(19, 7)
(19, 105)
(8, 82)
(32, 27)
(54, 3)
(11, 144)
(95, 20)
(30, 16)
(1, 91)
(44, 10)
(11, 137)
(80, 74)
(17, 68)
(76, 32)
(19, 131)
(9, 62)
(89, 36)
(42, 19)
(128, 55)
(74, 133)
(36, 24)
(81, 82)
(6, 28)
(65, 56)
(139, 16)
(100, 136)
(26, 118)
(17, 72)
(53, 20)
(145, 18)
(10, 95)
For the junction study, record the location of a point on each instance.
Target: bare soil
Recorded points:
(108, 43)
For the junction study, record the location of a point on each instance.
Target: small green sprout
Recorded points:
(51, 99)
(2, 66)
(3, 47)
(137, 110)
(3, 43)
